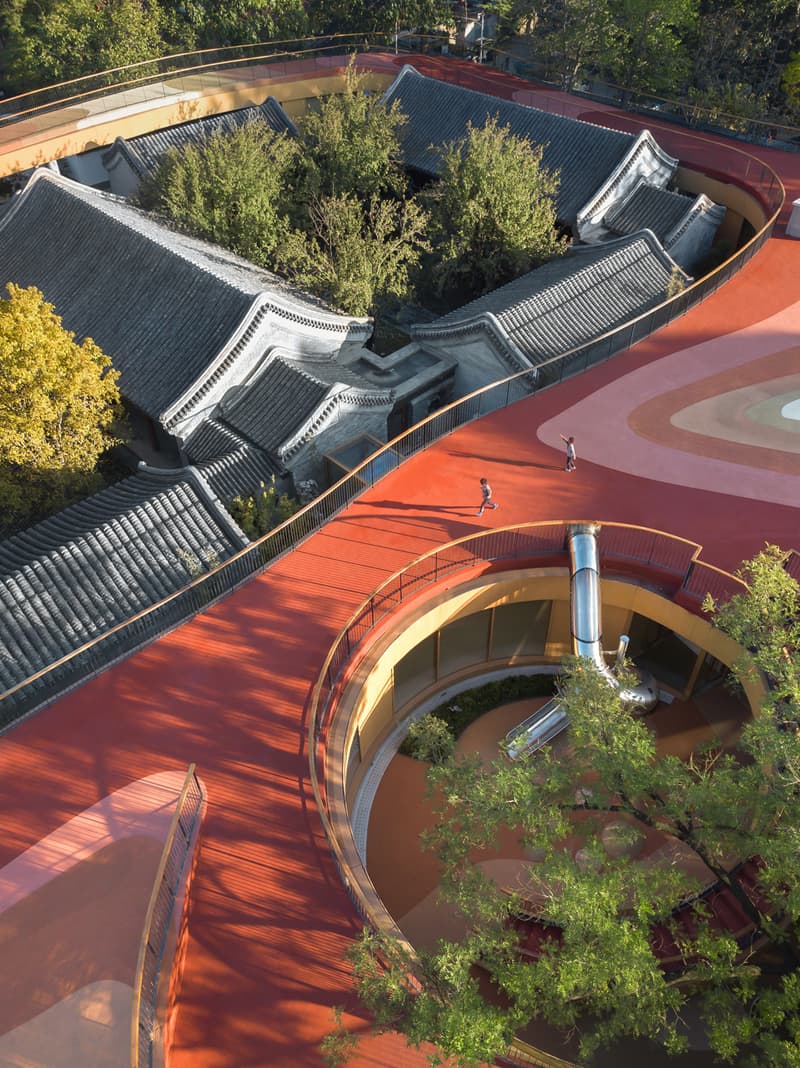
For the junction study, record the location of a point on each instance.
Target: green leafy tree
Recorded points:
(378, 16)
(49, 41)
(252, 21)
(352, 145)
(58, 400)
(729, 105)
(600, 977)
(494, 211)
(431, 739)
(264, 510)
(765, 621)
(359, 257)
(574, 36)
(231, 189)
(790, 83)
(749, 44)
(648, 50)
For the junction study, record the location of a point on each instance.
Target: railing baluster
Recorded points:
(125, 637)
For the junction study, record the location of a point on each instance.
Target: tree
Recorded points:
(264, 510)
(252, 21)
(648, 50)
(747, 44)
(359, 257)
(729, 105)
(50, 41)
(494, 210)
(765, 621)
(58, 400)
(378, 16)
(352, 146)
(597, 970)
(232, 189)
(790, 83)
(431, 739)
(574, 35)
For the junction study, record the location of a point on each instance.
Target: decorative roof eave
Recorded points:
(405, 71)
(324, 326)
(646, 158)
(122, 147)
(483, 323)
(127, 148)
(659, 250)
(702, 205)
(337, 398)
(215, 505)
(10, 208)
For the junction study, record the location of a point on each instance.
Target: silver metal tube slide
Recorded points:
(587, 640)
(585, 613)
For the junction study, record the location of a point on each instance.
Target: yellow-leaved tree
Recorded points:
(58, 400)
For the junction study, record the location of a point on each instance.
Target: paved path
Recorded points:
(230, 690)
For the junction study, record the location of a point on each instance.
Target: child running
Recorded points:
(486, 496)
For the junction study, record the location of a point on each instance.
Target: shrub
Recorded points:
(458, 714)
(264, 510)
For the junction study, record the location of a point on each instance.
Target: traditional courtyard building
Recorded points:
(191, 327)
(104, 560)
(686, 226)
(562, 306)
(597, 167)
(130, 160)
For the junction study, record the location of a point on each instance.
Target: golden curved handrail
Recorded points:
(136, 1007)
(681, 302)
(358, 884)
(338, 39)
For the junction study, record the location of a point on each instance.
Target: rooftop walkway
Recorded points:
(668, 436)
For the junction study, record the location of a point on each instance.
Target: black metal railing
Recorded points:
(535, 544)
(122, 639)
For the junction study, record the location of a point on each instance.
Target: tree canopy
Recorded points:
(58, 400)
(328, 210)
(602, 915)
(359, 257)
(55, 40)
(47, 41)
(378, 16)
(648, 50)
(494, 211)
(352, 144)
(231, 188)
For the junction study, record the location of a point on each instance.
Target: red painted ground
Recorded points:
(229, 690)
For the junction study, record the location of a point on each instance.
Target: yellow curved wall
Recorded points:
(368, 710)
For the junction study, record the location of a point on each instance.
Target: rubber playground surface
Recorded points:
(695, 431)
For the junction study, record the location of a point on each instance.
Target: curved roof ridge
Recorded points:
(171, 311)
(144, 151)
(557, 275)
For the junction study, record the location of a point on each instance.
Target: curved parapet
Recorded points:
(585, 613)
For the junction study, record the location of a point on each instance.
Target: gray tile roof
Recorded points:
(231, 465)
(162, 305)
(569, 301)
(144, 153)
(276, 405)
(584, 155)
(239, 473)
(656, 209)
(100, 562)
